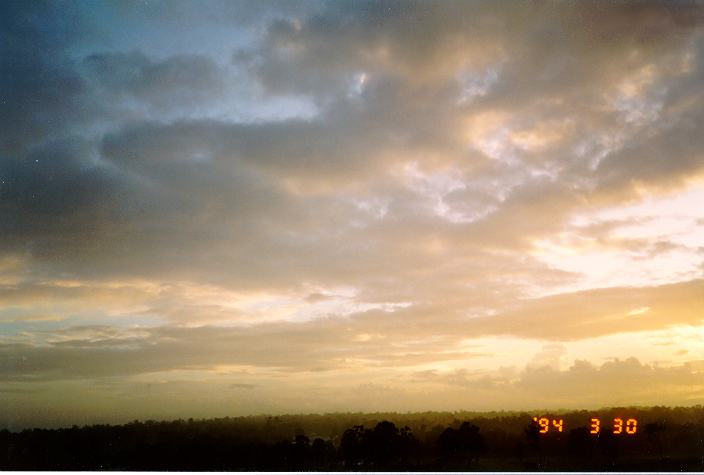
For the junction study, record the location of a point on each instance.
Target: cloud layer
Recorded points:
(381, 188)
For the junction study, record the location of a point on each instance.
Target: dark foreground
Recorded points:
(666, 440)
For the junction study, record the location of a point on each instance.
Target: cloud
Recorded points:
(581, 386)
(376, 338)
(345, 181)
(243, 174)
(629, 383)
(601, 311)
(40, 88)
(135, 80)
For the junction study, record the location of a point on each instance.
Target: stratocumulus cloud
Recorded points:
(418, 196)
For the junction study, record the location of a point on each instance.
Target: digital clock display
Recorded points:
(617, 426)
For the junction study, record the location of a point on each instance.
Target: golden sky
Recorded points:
(242, 207)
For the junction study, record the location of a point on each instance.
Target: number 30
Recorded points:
(631, 426)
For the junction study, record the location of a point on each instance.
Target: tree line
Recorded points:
(668, 439)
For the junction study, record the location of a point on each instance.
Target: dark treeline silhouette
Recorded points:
(384, 447)
(667, 439)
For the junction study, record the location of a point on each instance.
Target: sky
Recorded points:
(257, 207)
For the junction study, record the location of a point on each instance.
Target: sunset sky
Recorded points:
(230, 208)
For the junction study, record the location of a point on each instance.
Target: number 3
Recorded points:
(618, 426)
(595, 426)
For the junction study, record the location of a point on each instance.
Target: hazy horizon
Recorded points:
(605, 413)
(224, 208)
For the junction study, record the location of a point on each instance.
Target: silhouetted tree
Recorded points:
(383, 447)
(322, 454)
(260, 443)
(462, 446)
(352, 446)
(579, 444)
(608, 445)
(532, 436)
(408, 444)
